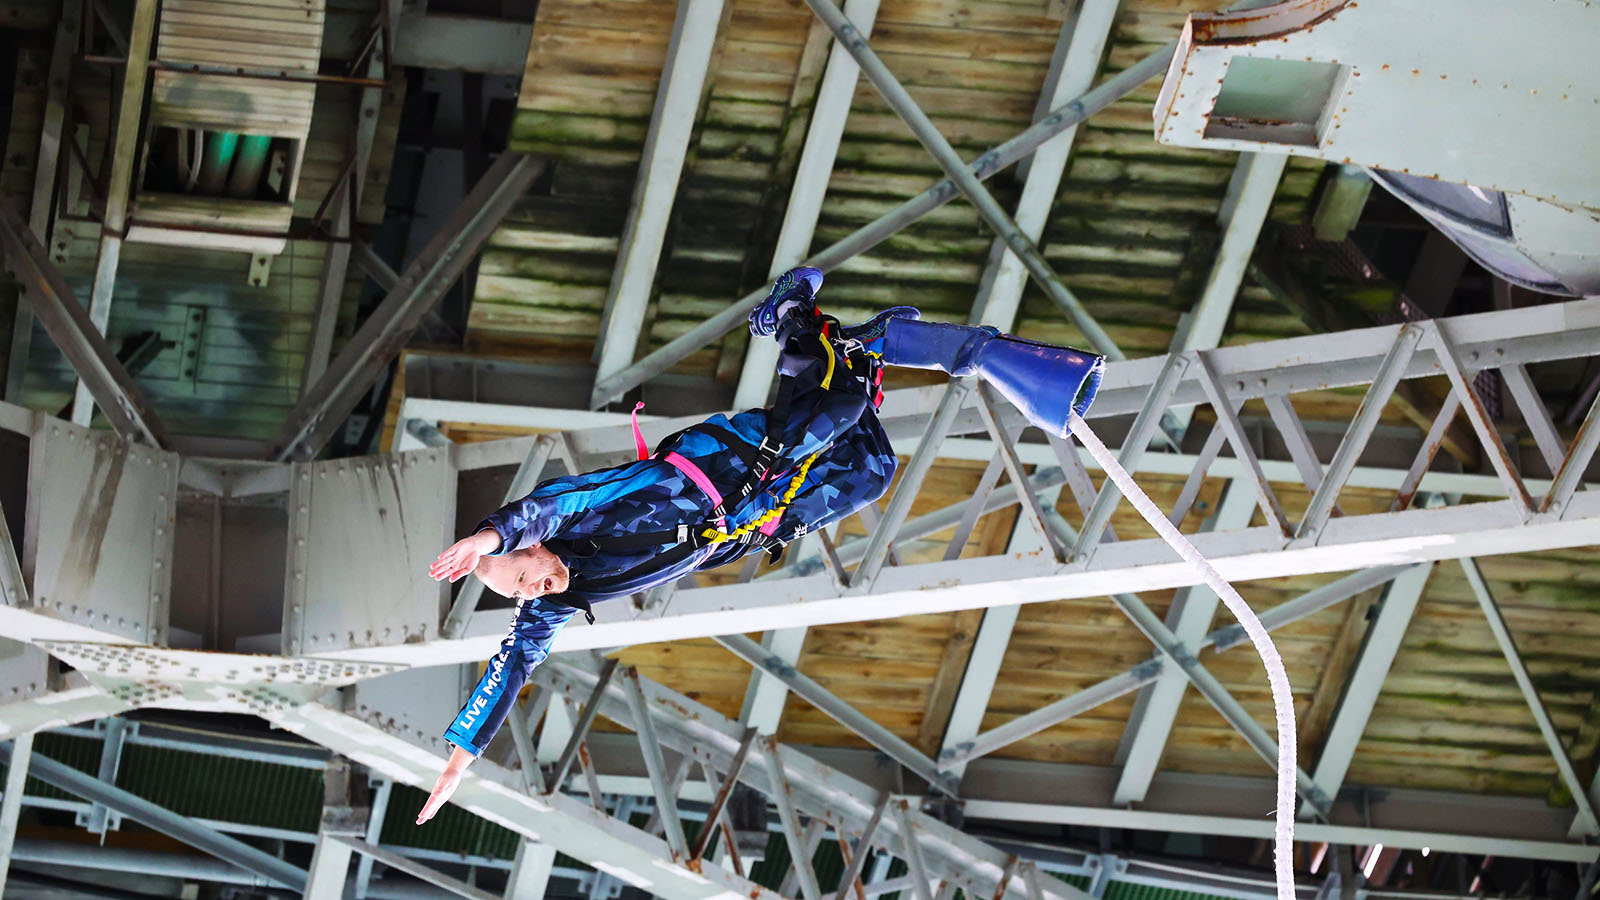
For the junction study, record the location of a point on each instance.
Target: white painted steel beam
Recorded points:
(1587, 824)
(1146, 732)
(1386, 539)
(57, 81)
(1366, 680)
(321, 411)
(765, 698)
(1244, 211)
(530, 871)
(163, 820)
(970, 185)
(1078, 52)
(411, 867)
(11, 803)
(130, 111)
(816, 789)
(852, 719)
(345, 204)
(57, 307)
(1067, 115)
(1261, 827)
(330, 863)
(831, 109)
(694, 38)
(988, 652)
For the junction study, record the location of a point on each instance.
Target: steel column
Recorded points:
(1478, 415)
(911, 477)
(11, 803)
(829, 112)
(1366, 680)
(840, 711)
(165, 821)
(57, 82)
(530, 872)
(1250, 195)
(1145, 736)
(694, 38)
(1577, 460)
(330, 865)
(783, 797)
(1228, 421)
(765, 698)
(380, 809)
(69, 326)
(983, 665)
(970, 185)
(1588, 824)
(130, 112)
(346, 205)
(1065, 116)
(666, 797)
(1077, 59)
(321, 410)
(1360, 431)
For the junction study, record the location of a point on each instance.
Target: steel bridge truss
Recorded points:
(347, 669)
(337, 680)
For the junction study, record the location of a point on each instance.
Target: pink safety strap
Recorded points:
(638, 438)
(771, 526)
(698, 477)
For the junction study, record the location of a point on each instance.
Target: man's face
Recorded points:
(524, 574)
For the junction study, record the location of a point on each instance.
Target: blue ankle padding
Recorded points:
(1045, 382)
(934, 345)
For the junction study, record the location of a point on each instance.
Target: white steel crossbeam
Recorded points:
(988, 652)
(830, 110)
(816, 790)
(130, 109)
(1077, 59)
(1146, 733)
(57, 81)
(694, 37)
(1485, 528)
(1366, 680)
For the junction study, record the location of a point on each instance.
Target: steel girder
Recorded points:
(323, 405)
(1234, 374)
(284, 689)
(70, 327)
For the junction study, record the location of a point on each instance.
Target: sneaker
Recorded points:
(795, 291)
(874, 328)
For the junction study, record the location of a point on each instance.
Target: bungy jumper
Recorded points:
(729, 486)
(725, 487)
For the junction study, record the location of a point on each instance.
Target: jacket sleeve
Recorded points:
(526, 645)
(554, 504)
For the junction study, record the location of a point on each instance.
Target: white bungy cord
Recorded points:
(1282, 698)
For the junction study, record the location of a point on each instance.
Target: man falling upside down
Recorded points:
(716, 491)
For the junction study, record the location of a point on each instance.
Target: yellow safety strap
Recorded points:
(716, 537)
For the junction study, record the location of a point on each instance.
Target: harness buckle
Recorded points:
(683, 534)
(767, 453)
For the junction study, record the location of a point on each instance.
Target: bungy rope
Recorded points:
(1282, 698)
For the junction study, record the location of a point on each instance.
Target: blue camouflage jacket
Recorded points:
(839, 460)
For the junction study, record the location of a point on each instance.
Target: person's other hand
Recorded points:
(446, 785)
(462, 557)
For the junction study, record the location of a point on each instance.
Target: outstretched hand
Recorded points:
(462, 556)
(446, 785)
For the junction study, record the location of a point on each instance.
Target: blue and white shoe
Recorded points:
(794, 292)
(869, 334)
